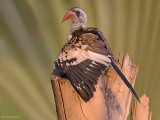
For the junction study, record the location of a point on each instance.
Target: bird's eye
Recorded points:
(77, 13)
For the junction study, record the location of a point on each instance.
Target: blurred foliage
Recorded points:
(31, 36)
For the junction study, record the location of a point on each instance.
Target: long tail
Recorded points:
(124, 80)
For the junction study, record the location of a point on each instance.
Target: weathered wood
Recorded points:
(71, 107)
(111, 101)
(118, 94)
(58, 97)
(141, 111)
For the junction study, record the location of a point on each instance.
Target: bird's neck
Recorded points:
(77, 25)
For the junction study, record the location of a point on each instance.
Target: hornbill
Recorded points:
(85, 56)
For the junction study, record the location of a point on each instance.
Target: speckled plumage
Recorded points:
(81, 67)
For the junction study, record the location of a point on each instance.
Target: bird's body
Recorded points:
(85, 56)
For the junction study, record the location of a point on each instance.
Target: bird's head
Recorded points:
(78, 17)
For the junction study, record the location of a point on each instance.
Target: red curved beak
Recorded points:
(69, 15)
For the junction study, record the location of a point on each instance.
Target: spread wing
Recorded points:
(84, 57)
(82, 60)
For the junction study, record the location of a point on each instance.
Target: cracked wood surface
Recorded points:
(141, 111)
(111, 101)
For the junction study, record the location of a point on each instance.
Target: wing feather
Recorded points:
(74, 81)
(82, 83)
(99, 50)
(85, 79)
(84, 76)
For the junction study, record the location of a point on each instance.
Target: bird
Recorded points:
(85, 55)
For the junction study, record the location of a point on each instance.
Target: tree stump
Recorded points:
(111, 101)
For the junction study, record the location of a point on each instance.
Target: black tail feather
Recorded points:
(124, 80)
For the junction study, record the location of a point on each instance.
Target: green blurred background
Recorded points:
(31, 36)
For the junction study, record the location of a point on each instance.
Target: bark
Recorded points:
(111, 101)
